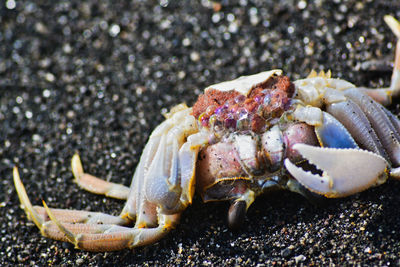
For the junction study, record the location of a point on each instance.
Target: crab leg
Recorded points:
(40, 217)
(80, 216)
(345, 171)
(165, 169)
(353, 118)
(374, 127)
(91, 231)
(95, 237)
(395, 121)
(164, 179)
(136, 195)
(187, 160)
(136, 199)
(96, 185)
(381, 123)
(395, 27)
(384, 95)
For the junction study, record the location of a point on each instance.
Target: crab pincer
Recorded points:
(344, 171)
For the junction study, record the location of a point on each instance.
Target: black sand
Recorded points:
(89, 77)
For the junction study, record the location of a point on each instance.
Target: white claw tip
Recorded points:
(394, 24)
(76, 166)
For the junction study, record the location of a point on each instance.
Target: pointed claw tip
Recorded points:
(70, 236)
(26, 204)
(76, 166)
(393, 24)
(45, 206)
(389, 19)
(313, 182)
(15, 172)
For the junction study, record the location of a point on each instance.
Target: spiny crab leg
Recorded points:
(345, 171)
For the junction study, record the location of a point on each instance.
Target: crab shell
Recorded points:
(329, 125)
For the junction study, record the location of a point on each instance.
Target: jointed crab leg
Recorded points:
(98, 234)
(384, 95)
(161, 188)
(356, 122)
(40, 217)
(132, 204)
(173, 163)
(187, 159)
(96, 185)
(110, 237)
(395, 27)
(347, 170)
(25, 202)
(382, 124)
(166, 169)
(80, 216)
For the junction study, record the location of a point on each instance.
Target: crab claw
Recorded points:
(344, 171)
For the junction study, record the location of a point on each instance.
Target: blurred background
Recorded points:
(94, 77)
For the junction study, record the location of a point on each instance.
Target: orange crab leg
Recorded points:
(95, 185)
(90, 230)
(40, 217)
(384, 95)
(98, 237)
(80, 216)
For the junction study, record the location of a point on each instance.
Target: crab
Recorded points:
(317, 136)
